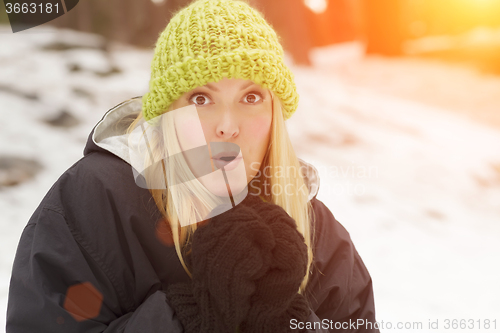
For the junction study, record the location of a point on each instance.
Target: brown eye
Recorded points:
(199, 99)
(252, 98)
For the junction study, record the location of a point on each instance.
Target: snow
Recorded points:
(426, 221)
(407, 161)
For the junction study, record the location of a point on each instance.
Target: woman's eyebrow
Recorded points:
(248, 85)
(209, 86)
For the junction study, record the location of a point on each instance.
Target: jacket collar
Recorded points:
(108, 136)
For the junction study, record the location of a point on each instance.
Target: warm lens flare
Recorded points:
(317, 6)
(83, 301)
(164, 233)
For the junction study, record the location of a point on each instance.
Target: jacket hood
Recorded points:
(108, 136)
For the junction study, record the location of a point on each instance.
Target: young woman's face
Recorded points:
(234, 111)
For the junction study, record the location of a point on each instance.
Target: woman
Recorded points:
(189, 211)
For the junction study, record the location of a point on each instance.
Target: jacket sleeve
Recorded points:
(56, 286)
(340, 288)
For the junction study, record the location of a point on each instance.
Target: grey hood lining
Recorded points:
(109, 134)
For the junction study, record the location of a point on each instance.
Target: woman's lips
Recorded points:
(228, 164)
(226, 154)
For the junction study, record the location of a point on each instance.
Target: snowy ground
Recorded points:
(403, 167)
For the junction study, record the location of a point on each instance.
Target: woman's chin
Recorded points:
(234, 182)
(222, 191)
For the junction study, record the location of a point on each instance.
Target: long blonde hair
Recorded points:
(279, 160)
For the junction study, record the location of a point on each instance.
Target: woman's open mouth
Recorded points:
(227, 160)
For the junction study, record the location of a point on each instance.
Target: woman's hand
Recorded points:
(276, 300)
(247, 266)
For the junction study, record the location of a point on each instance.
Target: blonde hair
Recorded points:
(279, 159)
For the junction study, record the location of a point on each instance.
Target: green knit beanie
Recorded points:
(212, 39)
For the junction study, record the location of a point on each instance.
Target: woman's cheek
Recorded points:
(260, 129)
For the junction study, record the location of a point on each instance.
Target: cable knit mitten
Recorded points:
(229, 254)
(276, 300)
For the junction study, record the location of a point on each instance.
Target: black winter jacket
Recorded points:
(89, 259)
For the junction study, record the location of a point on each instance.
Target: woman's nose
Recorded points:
(227, 126)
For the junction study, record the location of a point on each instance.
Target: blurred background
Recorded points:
(399, 111)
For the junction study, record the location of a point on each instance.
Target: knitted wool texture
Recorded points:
(247, 265)
(212, 39)
(276, 300)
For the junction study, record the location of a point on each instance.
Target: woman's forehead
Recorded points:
(231, 82)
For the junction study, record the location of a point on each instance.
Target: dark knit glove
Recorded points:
(228, 255)
(247, 266)
(276, 300)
